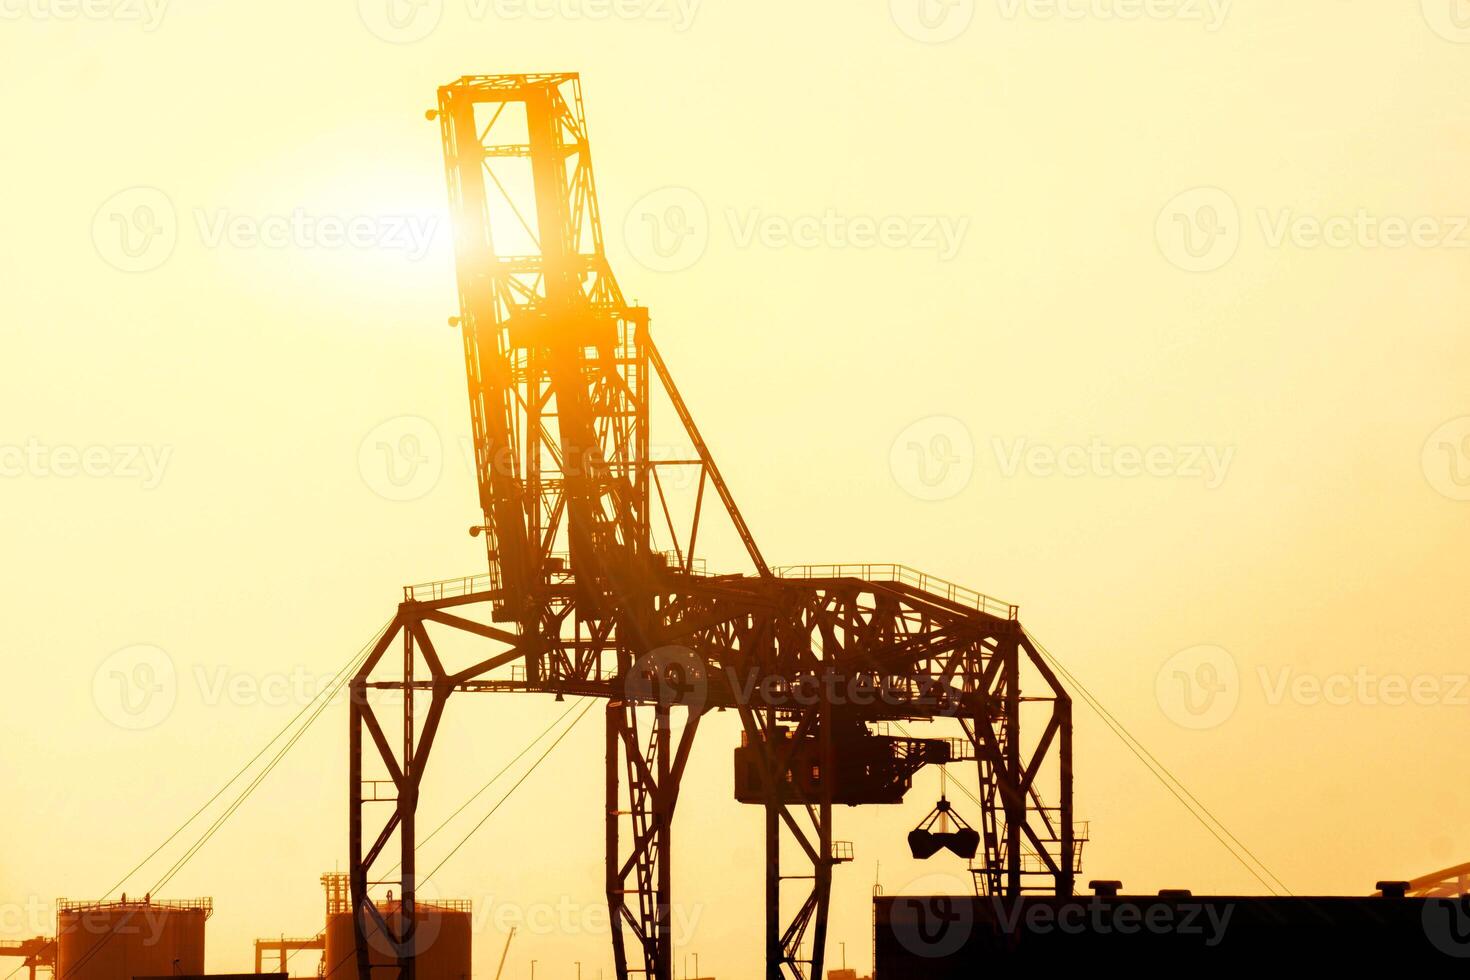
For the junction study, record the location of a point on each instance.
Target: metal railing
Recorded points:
(449, 588)
(205, 905)
(454, 588)
(437, 904)
(1032, 864)
(597, 673)
(904, 575)
(673, 559)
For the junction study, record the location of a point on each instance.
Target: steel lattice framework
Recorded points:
(578, 600)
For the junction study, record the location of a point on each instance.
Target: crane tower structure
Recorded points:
(578, 598)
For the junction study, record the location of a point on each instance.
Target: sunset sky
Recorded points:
(1149, 317)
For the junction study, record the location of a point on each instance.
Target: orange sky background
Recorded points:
(1152, 324)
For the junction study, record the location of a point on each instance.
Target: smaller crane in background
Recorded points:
(284, 949)
(504, 953)
(39, 952)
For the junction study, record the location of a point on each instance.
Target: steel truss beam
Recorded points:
(873, 651)
(580, 599)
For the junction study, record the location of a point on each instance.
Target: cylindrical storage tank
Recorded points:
(122, 940)
(442, 939)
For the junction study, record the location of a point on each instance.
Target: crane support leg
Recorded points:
(388, 926)
(809, 823)
(644, 768)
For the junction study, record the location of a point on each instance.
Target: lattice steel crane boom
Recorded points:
(578, 598)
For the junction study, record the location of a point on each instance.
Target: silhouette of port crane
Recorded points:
(37, 953)
(580, 600)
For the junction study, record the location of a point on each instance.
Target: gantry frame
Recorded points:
(579, 600)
